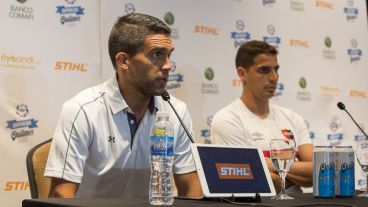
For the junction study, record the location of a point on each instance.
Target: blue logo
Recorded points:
(279, 89)
(336, 136)
(69, 14)
(175, 79)
(129, 8)
(70, 1)
(206, 133)
(360, 137)
(268, 3)
(354, 52)
(23, 127)
(350, 11)
(272, 39)
(311, 133)
(240, 36)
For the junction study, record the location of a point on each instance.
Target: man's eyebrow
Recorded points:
(162, 49)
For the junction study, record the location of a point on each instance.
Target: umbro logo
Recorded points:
(111, 139)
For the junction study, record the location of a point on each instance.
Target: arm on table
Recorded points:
(61, 188)
(301, 173)
(188, 185)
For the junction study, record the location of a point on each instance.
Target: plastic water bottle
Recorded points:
(162, 157)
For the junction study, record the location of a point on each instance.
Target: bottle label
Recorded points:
(162, 146)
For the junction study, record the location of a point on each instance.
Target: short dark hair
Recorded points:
(249, 50)
(129, 31)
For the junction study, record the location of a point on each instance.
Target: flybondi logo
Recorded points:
(228, 171)
(15, 61)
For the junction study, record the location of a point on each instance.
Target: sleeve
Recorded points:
(183, 162)
(227, 129)
(69, 151)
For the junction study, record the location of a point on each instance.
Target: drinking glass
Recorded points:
(282, 155)
(362, 157)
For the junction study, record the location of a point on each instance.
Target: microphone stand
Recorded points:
(165, 95)
(341, 106)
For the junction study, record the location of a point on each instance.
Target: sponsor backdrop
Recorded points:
(50, 50)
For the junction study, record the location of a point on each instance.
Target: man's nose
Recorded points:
(167, 64)
(274, 75)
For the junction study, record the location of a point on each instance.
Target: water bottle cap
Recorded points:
(162, 114)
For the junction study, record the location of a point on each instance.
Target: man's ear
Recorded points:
(242, 73)
(121, 59)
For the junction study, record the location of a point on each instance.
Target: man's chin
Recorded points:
(159, 91)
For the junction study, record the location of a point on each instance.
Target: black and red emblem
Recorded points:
(287, 133)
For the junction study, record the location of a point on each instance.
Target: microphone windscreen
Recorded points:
(341, 105)
(165, 95)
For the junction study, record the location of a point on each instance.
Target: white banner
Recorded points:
(51, 50)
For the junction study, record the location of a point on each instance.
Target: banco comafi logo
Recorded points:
(273, 39)
(350, 11)
(22, 127)
(296, 5)
(70, 14)
(209, 74)
(328, 53)
(328, 42)
(169, 19)
(240, 36)
(21, 11)
(209, 87)
(302, 82)
(303, 94)
(354, 52)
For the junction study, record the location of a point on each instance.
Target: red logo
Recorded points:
(287, 133)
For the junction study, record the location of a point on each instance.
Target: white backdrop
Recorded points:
(50, 50)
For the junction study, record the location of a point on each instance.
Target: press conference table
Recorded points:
(300, 200)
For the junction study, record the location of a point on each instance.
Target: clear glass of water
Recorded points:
(362, 157)
(282, 155)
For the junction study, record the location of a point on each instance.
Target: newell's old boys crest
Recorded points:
(287, 133)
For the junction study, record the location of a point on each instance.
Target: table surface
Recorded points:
(306, 199)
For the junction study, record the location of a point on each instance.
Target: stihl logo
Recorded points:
(234, 171)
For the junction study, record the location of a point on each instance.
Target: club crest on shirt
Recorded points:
(287, 133)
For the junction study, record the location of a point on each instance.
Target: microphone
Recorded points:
(165, 95)
(342, 107)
